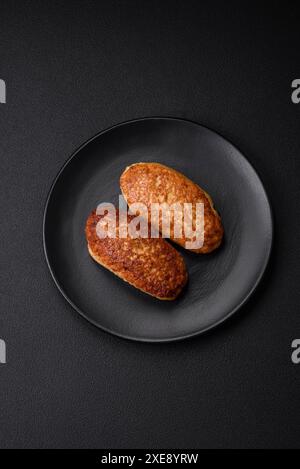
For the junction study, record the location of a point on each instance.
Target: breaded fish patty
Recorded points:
(151, 265)
(155, 183)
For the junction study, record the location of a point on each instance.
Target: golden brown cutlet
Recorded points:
(155, 183)
(150, 264)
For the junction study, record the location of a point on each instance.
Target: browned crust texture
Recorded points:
(151, 265)
(155, 183)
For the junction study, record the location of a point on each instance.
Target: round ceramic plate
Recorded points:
(219, 283)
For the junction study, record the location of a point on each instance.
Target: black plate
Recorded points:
(219, 283)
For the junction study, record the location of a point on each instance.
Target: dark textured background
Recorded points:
(70, 72)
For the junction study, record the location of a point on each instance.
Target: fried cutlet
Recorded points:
(149, 183)
(151, 265)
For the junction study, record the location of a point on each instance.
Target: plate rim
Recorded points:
(145, 339)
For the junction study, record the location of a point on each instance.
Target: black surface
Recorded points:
(71, 71)
(218, 283)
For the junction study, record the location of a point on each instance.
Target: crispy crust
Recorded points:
(155, 183)
(151, 265)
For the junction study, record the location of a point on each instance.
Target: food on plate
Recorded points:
(151, 265)
(150, 183)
